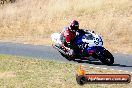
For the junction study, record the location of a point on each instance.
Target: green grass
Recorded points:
(23, 72)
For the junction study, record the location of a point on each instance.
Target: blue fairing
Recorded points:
(95, 49)
(78, 41)
(79, 38)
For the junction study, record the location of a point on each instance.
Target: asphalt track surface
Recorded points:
(122, 61)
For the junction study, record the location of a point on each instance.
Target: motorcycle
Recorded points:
(90, 45)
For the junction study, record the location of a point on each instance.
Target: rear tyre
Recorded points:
(108, 58)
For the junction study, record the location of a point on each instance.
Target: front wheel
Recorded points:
(107, 58)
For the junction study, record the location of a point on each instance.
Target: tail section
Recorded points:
(56, 38)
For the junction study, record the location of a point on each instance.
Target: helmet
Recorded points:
(74, 25)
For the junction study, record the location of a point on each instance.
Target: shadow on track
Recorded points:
(99, 63)
(121, 65)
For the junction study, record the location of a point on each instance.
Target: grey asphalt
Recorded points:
(122, 61)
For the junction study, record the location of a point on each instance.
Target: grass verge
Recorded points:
(23, 72)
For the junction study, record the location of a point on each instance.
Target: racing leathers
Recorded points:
(67, 38)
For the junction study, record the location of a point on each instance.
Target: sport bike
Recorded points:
(90, 45)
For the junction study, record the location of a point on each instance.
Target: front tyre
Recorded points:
(108, 58)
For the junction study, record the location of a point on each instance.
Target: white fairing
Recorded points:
(56, 38)
(96, 41)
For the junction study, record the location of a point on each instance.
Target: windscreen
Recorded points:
(89, 36)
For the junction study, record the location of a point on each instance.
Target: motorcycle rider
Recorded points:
(68, 35)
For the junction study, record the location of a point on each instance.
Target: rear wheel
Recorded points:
(108, 58)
